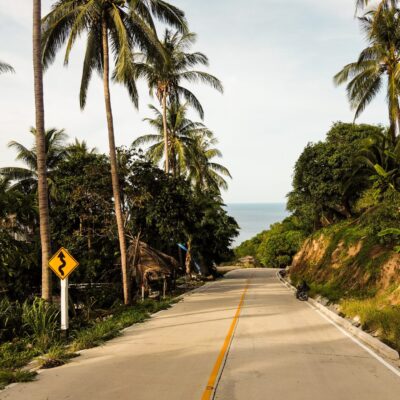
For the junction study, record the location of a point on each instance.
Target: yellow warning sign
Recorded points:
(62, 263)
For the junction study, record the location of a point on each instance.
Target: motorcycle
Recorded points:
(302, 295)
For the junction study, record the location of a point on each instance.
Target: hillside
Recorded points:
(346, 264)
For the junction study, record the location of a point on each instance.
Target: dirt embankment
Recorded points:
(347, 263)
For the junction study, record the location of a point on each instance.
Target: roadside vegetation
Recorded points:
(162, 193)
(343, 236)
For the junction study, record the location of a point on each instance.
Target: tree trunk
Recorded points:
(114, 167)
(393, 106)
(188, 261)
(166, 147)
(41, 152)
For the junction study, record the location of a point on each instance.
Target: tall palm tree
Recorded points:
(203, 171)
(4, 67)
(119, 25)
(164, 76)
(26, 178)
(181, 132)
(379, 60)
(190, 153)
(41, 150)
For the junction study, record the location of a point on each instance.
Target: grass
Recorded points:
(56, 356)
(111, 327)
(376, 316)
(8, 376)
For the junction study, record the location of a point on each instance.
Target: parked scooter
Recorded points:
(302, 291)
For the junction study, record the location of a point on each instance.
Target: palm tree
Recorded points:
(119, 25)
(80, 148)
(41, 150)
(361, 4)
(379, 160)
(165, 75)
(189, 153)
(203, 171)
(380, 59)
(26, 179)
(4, 67)
(181, 133)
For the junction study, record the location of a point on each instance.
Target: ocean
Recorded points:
(254, 218)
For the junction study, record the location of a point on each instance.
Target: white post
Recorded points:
(64, 305)
(164, 288)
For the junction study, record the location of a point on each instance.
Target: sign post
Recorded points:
(64, 305)
(62, 264)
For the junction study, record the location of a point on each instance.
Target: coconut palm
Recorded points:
(119, 25)
(41, 150)
(164, 76)
(181, 133)
(190, 152)
(361, 4)
(378, 61)
(203, 171)
(25, 179)
(80, 148)
(4, 67)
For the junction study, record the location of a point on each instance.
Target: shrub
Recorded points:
(10, 319)
(40, 320)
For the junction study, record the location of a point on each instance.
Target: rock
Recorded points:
(356, 321)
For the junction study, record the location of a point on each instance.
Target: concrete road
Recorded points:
(280, 349)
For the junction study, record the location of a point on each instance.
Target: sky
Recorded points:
(276, 59)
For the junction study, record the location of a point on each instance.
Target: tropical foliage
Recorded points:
(164, 76)
(190, 154)
(378, 61)
(119, 26)
(275, 247)
(4, 67)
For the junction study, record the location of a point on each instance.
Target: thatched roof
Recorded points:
(150, 263)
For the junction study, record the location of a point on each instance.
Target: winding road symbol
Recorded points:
(61, 256)
(62, 263)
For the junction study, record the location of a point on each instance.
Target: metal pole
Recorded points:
(64, 307)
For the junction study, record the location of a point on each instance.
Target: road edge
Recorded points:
(380, 347)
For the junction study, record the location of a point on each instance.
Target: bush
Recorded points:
(277, 246)
(40, 321)
(10, 319)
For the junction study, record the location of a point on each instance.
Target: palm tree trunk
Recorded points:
(41, 151)
(164, 115)
(393, 106)
(188, 261)
(114, 168)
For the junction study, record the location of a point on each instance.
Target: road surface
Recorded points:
(245, 337)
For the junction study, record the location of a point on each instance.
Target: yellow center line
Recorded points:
(208, 392)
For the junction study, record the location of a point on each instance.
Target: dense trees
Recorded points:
(119, 25)
(275, 247)
(162, 209)
(325, 188)
(66, 187)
